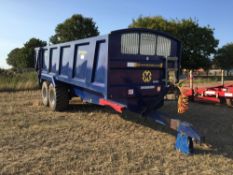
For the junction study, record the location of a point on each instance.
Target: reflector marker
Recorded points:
(135, 64)
(130, 92)
(147, 87)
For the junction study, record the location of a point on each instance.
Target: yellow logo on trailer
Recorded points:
(146, 76)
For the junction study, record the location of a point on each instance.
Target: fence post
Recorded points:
(222, 77)
(191, 79)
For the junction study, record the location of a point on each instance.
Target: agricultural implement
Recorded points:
(216, 94)
(127, 70)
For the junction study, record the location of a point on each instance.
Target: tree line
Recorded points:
(199, 46)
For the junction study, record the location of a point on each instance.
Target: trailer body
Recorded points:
(128, 68)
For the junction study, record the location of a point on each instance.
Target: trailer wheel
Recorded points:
(58, 98)
(45, 93)
(229, 102)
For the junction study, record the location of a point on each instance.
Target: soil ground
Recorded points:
(88, 139)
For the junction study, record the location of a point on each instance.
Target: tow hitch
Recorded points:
(186, 134)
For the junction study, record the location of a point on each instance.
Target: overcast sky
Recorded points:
(23, 19)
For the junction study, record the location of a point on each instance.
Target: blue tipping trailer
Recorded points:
(128, 69)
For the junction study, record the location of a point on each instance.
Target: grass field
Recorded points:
(88, 139)
(11, 81)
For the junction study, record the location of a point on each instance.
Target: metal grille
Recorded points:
(148, 44)
(130, 43)
(163, 46)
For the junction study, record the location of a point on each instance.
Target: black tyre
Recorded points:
(45, 93)
(58, 98)
(222, 100)
(229, 102)
(160, 104)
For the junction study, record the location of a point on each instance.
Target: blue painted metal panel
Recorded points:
(54, 56)
(45, 59)
(73, 63)
(65, 59)
(121, 74)
(101, 57)
(80, 69)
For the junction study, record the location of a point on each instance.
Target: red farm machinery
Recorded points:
(222, 94)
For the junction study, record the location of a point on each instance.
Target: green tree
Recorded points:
(14, 58)
(76, 27)
(224, 57)
(198, 43)
(28, 50)
(24, 57)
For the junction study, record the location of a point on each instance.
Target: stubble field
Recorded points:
(88, 139)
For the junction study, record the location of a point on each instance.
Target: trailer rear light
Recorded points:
(158, 88)
(130, 92)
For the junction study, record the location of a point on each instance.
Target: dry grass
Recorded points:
(88, 139)
(10, 81)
